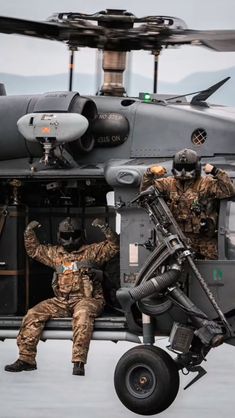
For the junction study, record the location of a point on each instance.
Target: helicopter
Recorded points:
(63, 154)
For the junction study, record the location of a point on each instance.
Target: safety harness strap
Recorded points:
(76, 266)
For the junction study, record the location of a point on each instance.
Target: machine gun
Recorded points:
(172, 251)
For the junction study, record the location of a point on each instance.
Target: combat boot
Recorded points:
(79, 369)
(20, 366)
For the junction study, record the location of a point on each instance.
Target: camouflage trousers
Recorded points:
(83, 312)
(204, 247)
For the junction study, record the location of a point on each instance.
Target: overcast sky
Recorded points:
(28, 56)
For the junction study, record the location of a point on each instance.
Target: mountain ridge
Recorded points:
(85, 84)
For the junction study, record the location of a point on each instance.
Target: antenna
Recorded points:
(203, 95)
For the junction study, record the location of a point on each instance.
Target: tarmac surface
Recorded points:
(53, 392)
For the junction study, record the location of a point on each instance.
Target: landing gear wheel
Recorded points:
(146, 380)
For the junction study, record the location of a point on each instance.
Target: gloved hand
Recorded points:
(107, 231)
(157, 170)
(32, 225)
(210, 169)
(100, 223)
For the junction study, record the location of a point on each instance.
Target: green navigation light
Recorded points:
(147, 96)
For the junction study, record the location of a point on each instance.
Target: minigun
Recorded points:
(172, 251)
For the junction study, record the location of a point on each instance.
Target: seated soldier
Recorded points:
(192, 198)
(78, 292)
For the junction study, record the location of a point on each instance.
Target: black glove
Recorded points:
(99, 223)
(214, 171)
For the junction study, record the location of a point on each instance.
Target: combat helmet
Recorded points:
(186, 165)
(70, 234)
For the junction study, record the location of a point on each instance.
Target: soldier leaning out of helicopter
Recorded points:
(193, 199)
(77, 288)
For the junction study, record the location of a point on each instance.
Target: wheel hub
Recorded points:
(143, 380)
(140, 381)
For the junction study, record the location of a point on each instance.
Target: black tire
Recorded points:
(146, 380)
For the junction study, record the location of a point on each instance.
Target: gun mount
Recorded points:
(160, 275)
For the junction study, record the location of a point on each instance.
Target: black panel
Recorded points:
(12, 260)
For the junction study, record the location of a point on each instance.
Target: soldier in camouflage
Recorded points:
(193, 199)
(77, 288)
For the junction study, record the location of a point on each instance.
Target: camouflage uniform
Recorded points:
(76, 294)
(193, 204)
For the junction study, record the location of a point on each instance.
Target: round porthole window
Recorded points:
(199, 136)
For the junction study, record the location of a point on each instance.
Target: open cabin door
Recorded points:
(219, 274)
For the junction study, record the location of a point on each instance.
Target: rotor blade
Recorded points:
(219, 40)
(79, 34)
(148, 36)
(45, 30)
